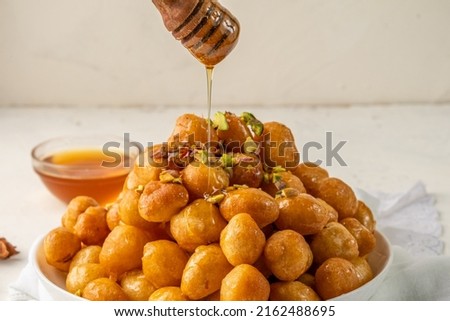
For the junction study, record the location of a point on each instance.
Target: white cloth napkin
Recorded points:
(411, 223)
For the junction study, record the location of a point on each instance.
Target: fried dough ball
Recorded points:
(168, 293)
(88, 254)
(204, 272)
(281, 180)
(334, 277)
(339, 195)
(366, 240)
(242, 241)
(75, 207)
(148, 166)
(129, 211)
(160, 201)
(103, 289)
(91, 226)
(244, 283)
(363, 270)
(60, 246)
(258, 204)
(308, 279)
(191, 129)
(287, 255)
(301, 212)
(112, 215)
(136, 286)
(278, 146)
(200, 179)
(163, 263)
(247, 170)
(311, 176)
(365, 216)
(199, 223)
(292, 291)
(122, 249)
(334, 240)
(235, 136)
(82, 274)
(332, 213)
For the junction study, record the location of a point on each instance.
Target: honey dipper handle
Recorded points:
(207, 29)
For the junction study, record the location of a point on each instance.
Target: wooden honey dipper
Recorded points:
(204, 27)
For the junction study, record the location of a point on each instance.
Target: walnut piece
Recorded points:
(6, 249)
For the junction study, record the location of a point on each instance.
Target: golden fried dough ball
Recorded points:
(160, 201)
(334, 240)
(339, 195)
(311, 176)
(278, 146)
(60, 246)
(242, 241)
(136, 286)
(163, 263)
(191, 129)
(334, 277)
(332, 213)
(82, 274)
(287, 255)
(204, 271)
(148, 166)
(199, 223)
(292, 291)
(308, 279)
(281, 180)
(103, 289)
(365, 216)
(129, 211)
(88, 254)
(75, 207)
(235, 136)
(168, 293)
(91, 226)
(258, 204)
(363, 270)
(301, 212)
(244, 283)
(366, 240)
(122, 249)
(247, 170)
(200, 179)
(112, 215)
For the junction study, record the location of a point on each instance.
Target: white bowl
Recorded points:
(52, 281)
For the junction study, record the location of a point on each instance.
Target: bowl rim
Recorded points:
(37, 248)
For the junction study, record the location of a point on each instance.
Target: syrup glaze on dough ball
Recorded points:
(88, 254)
(168, 293)
(136, 286)
(255, 202)
(311, 176)
(160, 201)
(201, 180)
(75, 207)
(242, 241)
(366, 240)
(244, 283)
(339, 195)
(204, 271)
(292, 291)
(60, 246)
(334, 240)
(334, 277)
(91, 226)
(287, 255)
(82, 274)
(301, 212)
(122, 249)
(199, 223)
(163, 263)
(104, 289)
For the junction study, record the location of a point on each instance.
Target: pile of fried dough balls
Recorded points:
(244, 220)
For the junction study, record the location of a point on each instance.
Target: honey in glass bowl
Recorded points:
(74, 166)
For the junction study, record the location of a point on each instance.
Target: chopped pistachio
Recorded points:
(220, 121)
(139, 189)
(214, 199)
(250, 120)
(250, 146)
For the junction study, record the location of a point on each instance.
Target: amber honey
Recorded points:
(87, 172)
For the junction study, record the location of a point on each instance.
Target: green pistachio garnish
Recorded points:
(250, 146)
(214, 199)
(139, 189)
(220, 121)
(250, 120)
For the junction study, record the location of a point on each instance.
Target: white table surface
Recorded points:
(388, 148)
